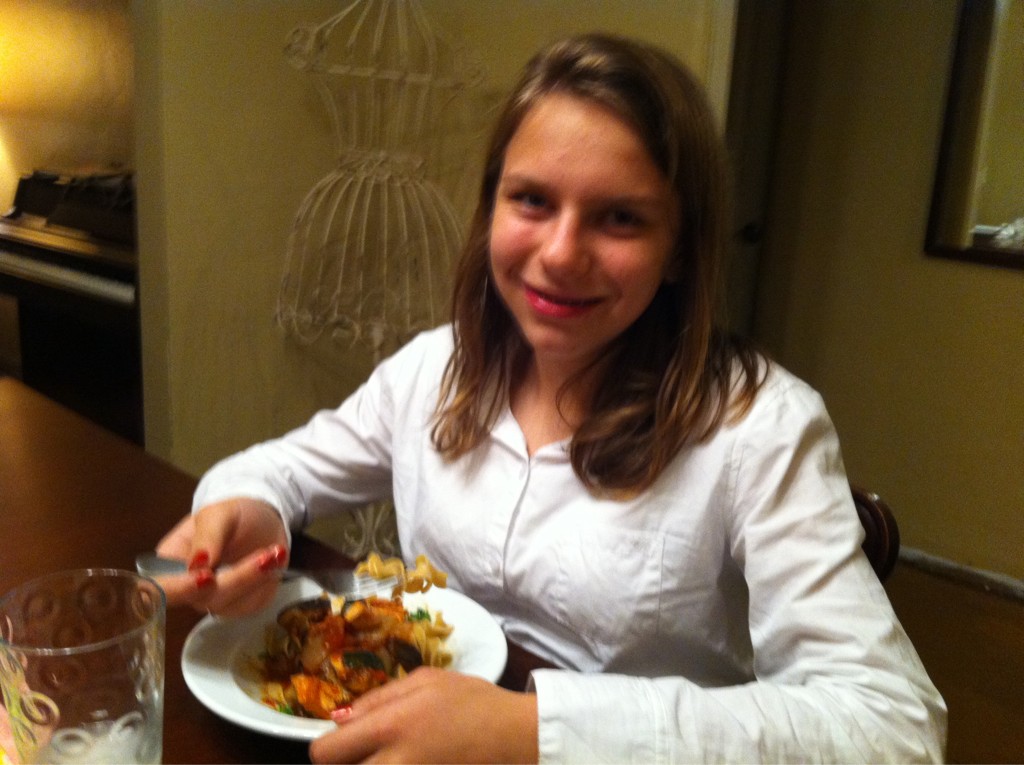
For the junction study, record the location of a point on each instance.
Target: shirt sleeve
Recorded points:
(835, 676)
(340, 459)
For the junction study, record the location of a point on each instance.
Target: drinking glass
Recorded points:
(82, 667)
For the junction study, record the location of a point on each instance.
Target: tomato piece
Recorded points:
(318, 697)
(332, 631)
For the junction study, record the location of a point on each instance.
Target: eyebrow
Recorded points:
(641, 200)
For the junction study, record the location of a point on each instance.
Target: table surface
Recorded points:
(73, 495)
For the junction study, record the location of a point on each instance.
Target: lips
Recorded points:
(557, 306)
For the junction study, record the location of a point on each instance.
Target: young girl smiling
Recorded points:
(637, 497)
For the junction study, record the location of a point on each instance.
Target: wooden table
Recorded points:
(73, 495)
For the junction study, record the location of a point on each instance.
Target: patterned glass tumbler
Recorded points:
(82, 667)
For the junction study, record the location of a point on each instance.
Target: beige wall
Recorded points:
(230, 140)
(505, 34)
(920, 360)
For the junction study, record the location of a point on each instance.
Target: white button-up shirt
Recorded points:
(726, 614)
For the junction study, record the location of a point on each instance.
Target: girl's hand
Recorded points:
(434, 715)
(245, 533)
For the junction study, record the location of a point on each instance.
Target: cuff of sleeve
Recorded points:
(597, 718)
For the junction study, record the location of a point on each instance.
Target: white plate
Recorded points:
(216, 656)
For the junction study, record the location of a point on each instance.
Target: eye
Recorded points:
(524, 195)
(623, 220)
(530, 200)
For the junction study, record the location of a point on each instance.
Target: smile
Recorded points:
(559, 307)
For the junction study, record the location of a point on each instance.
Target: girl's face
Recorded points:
(583, 226)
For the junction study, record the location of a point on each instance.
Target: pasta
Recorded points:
(320, 655)
(420, 579)
(428, 637)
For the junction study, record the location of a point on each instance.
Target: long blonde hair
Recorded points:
(671, 378)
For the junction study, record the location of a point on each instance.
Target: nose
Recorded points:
(565, 249)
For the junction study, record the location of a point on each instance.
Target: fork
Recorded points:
(337, 581)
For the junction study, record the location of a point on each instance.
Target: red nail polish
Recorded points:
(341, 714)
(266, 562)
(204, 578)
(200, 560)
(280, 554)
(272, 559)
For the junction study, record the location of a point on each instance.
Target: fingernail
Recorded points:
(272, 559)
(266, 562)
(204, 578)
(341, 714)
(201, 559)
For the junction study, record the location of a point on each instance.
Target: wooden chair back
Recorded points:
(882, 540)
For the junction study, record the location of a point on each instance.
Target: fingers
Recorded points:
(234, 550)
(177, 543)
(394, 692)
(359, 738)
(179, 590)
(248, 585)
(224, 532)
(242, 588)
(214, 526)
(434, 716)
(365, 729)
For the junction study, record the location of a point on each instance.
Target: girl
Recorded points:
(635, 496)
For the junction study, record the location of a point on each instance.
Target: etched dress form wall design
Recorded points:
(370, 252)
